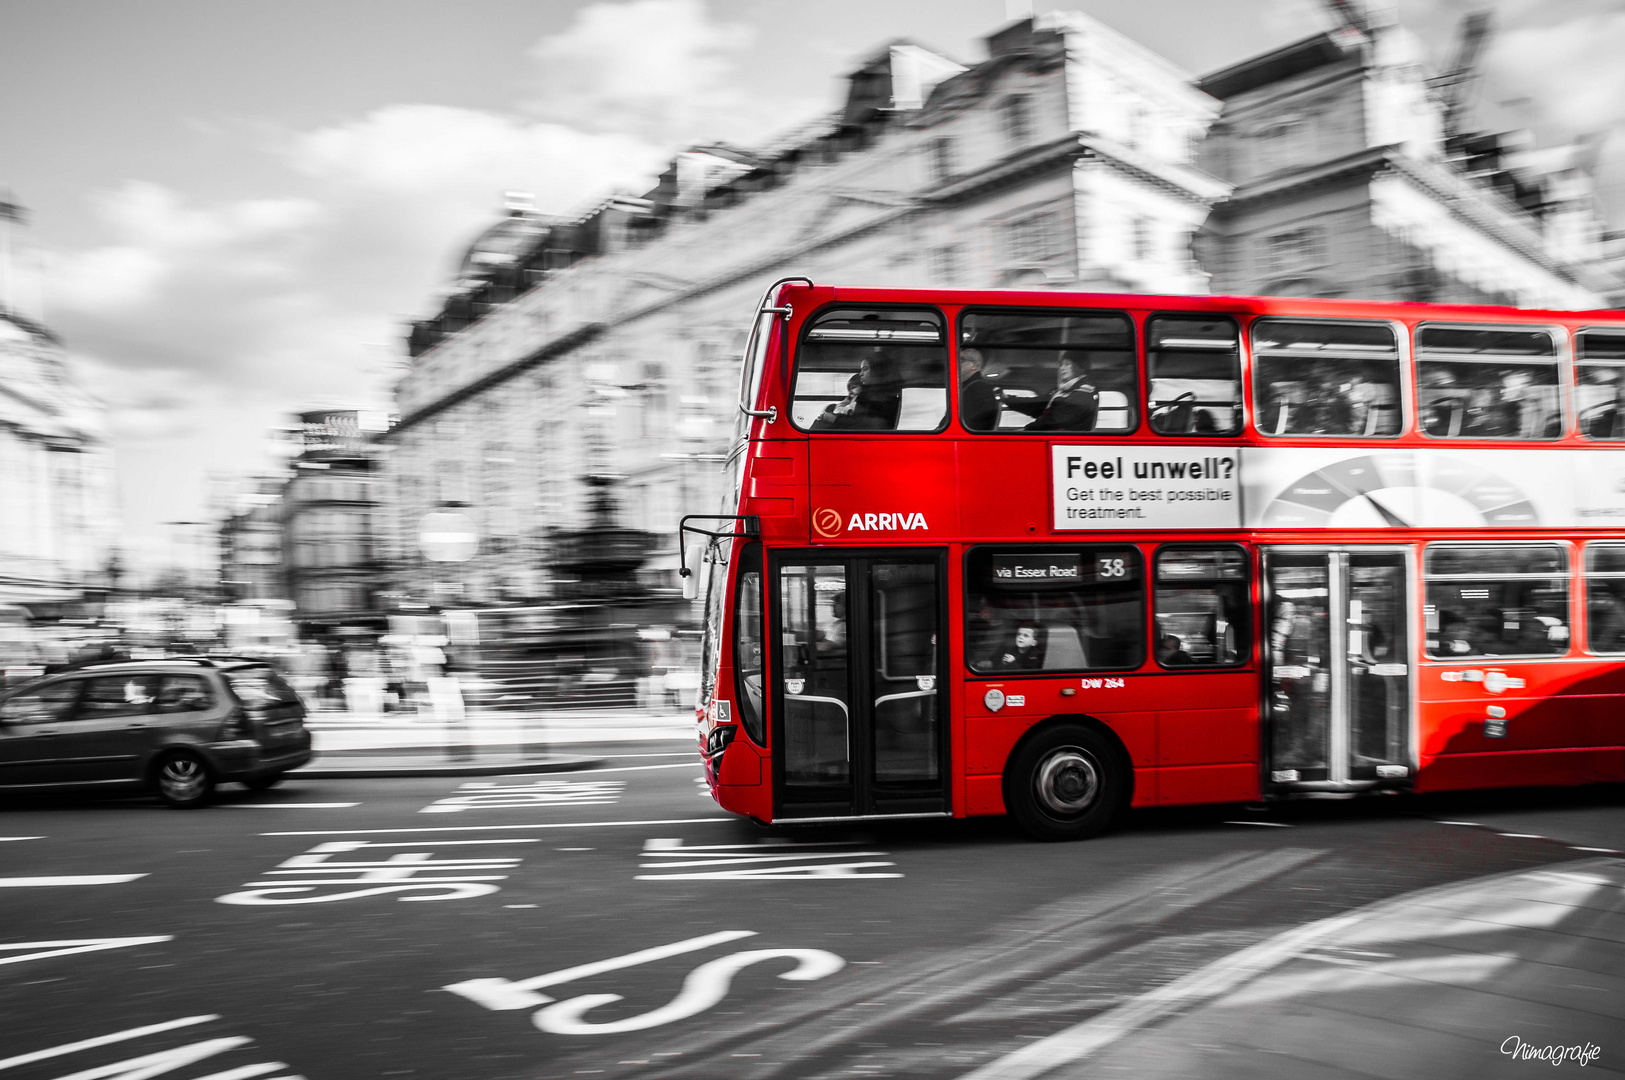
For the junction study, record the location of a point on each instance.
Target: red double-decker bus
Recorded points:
(1058, 554)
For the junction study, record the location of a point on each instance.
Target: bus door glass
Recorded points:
(859, 717)
(1339, 684)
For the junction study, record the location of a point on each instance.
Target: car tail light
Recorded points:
(236, 725)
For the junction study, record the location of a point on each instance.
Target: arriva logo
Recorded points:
(826, 523)
(887, 522)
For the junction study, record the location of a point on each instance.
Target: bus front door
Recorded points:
(859, 718)
(1338, 687)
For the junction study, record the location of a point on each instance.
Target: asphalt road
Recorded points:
(614, 922)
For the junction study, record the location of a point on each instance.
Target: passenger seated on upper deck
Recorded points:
(1607, 420)
(1074, 404)
(978, 399)
(873, 405)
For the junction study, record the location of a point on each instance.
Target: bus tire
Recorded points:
(1067, 782)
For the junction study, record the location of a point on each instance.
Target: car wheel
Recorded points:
(183, 780)
(1067, 783)
(263, 783)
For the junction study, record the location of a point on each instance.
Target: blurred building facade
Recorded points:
(607, 346)
(58, 506)
(1353, 173)
(568, 351)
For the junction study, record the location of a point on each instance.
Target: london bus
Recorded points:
(1059, 554)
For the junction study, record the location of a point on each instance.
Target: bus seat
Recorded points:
(1063, 651)
(922, 409)
(1113, 413)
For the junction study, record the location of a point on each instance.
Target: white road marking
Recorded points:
(291, 805)
(1267, 824)
(3, 839)
(1523, 835)
(247, 1071)
(79, 879)
(488, 828)
(666, 851)
(104, 1040)
(1473, 824)
(76, 945)
(326, 866)
(500, 994)
(1598, 850)
(488, 795)
(640, 768)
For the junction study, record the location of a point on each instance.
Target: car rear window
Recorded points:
(261, 686)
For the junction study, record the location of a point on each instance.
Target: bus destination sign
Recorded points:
(1037, 571)
(1146, 487)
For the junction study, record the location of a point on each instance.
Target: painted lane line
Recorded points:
(247, 1071)
(501, 994)
(77, 945)
(291, 805)
(728, 860)
(640, 768)
(104, 1040)
(1470, 824)
(1523, 835)
(1598, 850)
(664, 846)
(489, 828)
(817, 871)
(3, 839)
(1266, 824)
(80, 879)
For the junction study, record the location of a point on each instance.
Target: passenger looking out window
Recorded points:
(1194, 377)
(1201, 607)
(1326, 378)
(1487, 384)
(1485, 600)
(1054, 609)
(1600, 366)
(1054, 370)
(872, 370)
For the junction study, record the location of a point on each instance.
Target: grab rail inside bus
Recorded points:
(771, 413)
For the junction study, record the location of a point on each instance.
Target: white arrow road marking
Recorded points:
(79, 879)
(104, 1040)
(291, 805)
(79, 945)
(704, 987)
(501, 994)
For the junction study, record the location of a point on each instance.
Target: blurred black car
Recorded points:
(177, 726)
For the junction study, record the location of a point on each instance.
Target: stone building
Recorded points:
(58, 508)
(1346, 179)
(608, 345)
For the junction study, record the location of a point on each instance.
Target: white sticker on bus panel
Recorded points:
(1305, 487)
(1146, 487)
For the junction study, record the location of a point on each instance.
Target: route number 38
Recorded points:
(1107, 568)
(703, 987)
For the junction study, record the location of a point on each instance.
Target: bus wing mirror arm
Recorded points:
(748, 525)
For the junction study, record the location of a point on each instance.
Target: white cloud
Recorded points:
(661, 69)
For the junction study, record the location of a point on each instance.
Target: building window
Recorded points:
(1142, 239)
(1016, 120)
(1034, 238)
(945, 264)
(1292, 251)
(939, 159)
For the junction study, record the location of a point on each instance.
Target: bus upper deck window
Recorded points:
(872, 369)
(1048, 370)
(1326, 378)
(1201, 607)
(1496, 600)
(1600, 396)
(1477, 383)
(1194, 377)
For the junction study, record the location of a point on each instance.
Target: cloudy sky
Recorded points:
(241, 204)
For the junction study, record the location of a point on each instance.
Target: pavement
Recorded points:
(357, 745)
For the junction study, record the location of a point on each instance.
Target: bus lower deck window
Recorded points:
(1487, 383)
(1050, 370)
(1054, 609)
(1326, 378)
(1201, 607)
(1496, 600)
(868, 370)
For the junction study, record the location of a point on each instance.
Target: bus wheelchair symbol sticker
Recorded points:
(826, 522)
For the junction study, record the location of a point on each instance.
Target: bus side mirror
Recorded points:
(693, 562)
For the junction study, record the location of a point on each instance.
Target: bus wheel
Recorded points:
(1067, 783)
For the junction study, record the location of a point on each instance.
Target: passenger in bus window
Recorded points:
(1605, 614)
(832, 416)
(873, 405)
(1605, 420)
(1074, 404)
(1171, 652)
(978, 400)
(1024, 651)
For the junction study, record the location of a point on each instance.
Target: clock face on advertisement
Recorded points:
(1376, 491)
